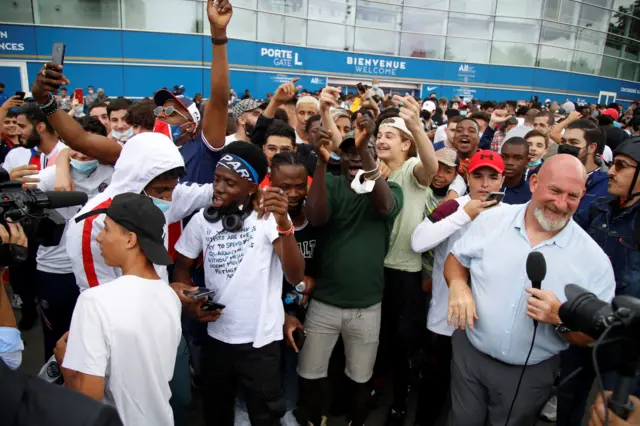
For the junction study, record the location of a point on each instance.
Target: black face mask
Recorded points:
(248, 129)
(440, 192)
(32, 141)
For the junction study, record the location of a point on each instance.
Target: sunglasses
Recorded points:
(168, 111)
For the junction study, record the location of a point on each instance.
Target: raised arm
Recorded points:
(12, 102)
(49, 80)
(284, 93)
(214, 122)
(555, 133)
(381, 198)
(426, 169)
(317, 205)
(328, 98)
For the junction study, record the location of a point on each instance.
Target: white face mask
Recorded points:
(122, 135)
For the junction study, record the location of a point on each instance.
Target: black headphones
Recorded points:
(232, 221)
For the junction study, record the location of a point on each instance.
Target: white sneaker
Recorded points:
(550, 410)
(242, 415)
(289, 419)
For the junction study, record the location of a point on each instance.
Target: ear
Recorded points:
(132, 240)
(533, 182)
(253, 188)
(41, 128)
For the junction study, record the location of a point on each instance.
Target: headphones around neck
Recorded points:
(232, 221)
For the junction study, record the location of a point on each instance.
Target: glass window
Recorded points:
(369, 14)
(467, 50)
(332, 36)
(295, 7)
(16, 11)
(332, 10)
(607, 4)
(464, 25)
(243, 24)
(376, 41)
(624, 25)
(629, 70)
(613, 46)
(163, 15)
(513, 29)
(594, 18)
(281, 29)
(519, 8)
(422, 46)
(558, 35)
(474, 6)
(590, 41)
(81, 13)
(414, 20)
(567, 11)
(433, 4)
(554, 58)
(586, 63)
(513, 53)
(609, 67)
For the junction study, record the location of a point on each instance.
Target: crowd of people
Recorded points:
(293, 256)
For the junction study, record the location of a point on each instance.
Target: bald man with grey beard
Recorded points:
(496, 337)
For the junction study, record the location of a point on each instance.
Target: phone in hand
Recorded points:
(79, 95)
(200, 293)
(498, 196)
(568, 149)
(361, 88)
(212, 306)
(299, 336)
(20, 95)
(57, 55)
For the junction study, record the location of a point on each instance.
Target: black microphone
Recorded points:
(57, 199)
(536, 271)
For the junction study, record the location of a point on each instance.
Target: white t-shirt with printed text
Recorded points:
(245, 271)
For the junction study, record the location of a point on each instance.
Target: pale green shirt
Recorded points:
(400, 256)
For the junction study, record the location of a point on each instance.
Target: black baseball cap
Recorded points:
(137, 213)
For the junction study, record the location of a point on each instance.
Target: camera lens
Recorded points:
(584, 312)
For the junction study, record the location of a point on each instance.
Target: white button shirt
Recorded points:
(495, 250)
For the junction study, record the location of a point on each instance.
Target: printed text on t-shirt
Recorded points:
(225, 250)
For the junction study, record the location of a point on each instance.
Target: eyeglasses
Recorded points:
(620, 165)
(168, 111)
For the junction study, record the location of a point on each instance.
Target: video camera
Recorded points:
(34, 210)
(615, 326)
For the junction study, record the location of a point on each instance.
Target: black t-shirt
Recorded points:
(306, 236)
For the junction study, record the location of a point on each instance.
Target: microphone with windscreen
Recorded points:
(56, 199)
(536, 271)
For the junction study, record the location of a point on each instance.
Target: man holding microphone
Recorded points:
(494, 315)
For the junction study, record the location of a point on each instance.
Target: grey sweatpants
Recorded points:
(482, 387)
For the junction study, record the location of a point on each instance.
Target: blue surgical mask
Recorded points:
(163, 205)
(463, 113)
(535, 163)
(85, 167)
(375, 86)
(334, 156)
(122, 135)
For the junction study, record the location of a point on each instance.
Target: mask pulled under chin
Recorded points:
(163, 205)
(360, 185)
(535, 163)
(122, 135)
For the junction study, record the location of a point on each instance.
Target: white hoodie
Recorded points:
(143, 158)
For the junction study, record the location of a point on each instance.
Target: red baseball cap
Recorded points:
(611, 112)
(486, 158)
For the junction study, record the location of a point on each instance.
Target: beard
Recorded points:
(550, 225)
(32, 141)
(297, 210)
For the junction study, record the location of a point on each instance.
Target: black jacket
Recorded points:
(30, 401)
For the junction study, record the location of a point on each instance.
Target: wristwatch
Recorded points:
(561, 328)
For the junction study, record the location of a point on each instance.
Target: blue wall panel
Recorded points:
(185, 59)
